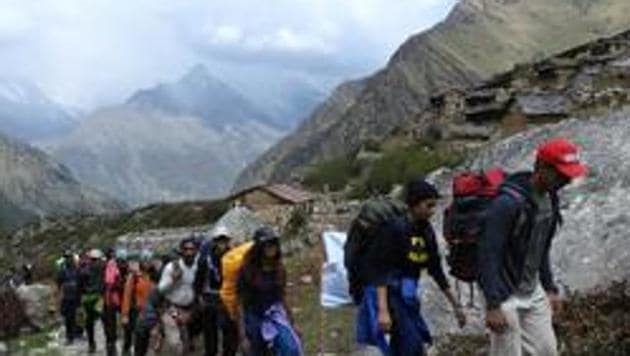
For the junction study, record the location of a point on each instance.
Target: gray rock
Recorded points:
(591, 248)
(36, 299)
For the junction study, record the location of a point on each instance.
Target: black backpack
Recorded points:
(373, 214)
(464, 218)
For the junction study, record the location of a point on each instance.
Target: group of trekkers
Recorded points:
(499, 232)
(231, 297)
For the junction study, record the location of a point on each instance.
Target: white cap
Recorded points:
(95, 253)
(220, 231)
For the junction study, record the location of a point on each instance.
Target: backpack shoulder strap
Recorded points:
(522, 213)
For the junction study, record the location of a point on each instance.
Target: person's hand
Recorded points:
(177, 274)
(460, 315)
(124, 320)
(556, 303)
(245, 345)
(496, 321)
(384, 321)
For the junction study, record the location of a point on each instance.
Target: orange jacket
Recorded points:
(141, 290)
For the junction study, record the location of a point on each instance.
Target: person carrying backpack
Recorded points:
(514, 253)
(177, 286)
(391, 268)
(91, 287)
(137, 289)
(68, 285)
(265, 322)
(149, 332)
(213, 312)
(114, 281)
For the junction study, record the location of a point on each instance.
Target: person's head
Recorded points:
(110, 253)
(68, 256)
(146, 260)
(220, 240)
(95, 255)
(188, 250)
(122, 256)
(421, 197)
(267, 242)
(557, 164)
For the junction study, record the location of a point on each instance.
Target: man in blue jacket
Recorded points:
(515, 270)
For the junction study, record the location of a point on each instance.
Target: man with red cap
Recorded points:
(515, 270)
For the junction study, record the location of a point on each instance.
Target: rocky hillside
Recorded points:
(179, 141)
(32, 185)
(477, 40)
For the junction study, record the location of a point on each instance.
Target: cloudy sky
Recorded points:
(98, 52)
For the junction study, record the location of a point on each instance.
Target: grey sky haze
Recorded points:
(91, 53)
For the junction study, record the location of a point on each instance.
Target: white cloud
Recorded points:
(97, 52)
(226, 35)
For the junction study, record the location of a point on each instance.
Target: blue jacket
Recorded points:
(505, 238)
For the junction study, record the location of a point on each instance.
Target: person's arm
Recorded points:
(384, 317)
(435, 261)
(545, 272)
(491, 249)
(382, 258)
(239, 318)
(547, 280)
(491, 253)
(126, 300)
(437, 273)
(166, 280)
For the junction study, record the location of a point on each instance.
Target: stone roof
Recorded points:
(284, 192)
(543, 104)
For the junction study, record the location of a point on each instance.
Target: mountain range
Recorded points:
(185, 140)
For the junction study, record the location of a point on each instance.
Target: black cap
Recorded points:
(265, 234)
(418, 190)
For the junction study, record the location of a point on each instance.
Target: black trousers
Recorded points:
(110, 317)
(142, 336)
(130, 329)
(69, 313)
(215, 321)
(91, 316)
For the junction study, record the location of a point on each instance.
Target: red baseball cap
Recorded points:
(564, 156)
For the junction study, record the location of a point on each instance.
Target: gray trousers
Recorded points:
(529, 329)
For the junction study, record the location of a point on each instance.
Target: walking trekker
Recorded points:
(177, 286)
(265, 322)
(91, 287)
(514, 253)
(391, 269)
(138, 286)
(68, 285)
(214, 315)
(114, 280)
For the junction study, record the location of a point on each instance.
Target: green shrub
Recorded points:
(401, 165)
(336, 174)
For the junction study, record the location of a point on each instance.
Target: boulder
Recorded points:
(37, 299)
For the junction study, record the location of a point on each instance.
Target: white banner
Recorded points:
(334, 291)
